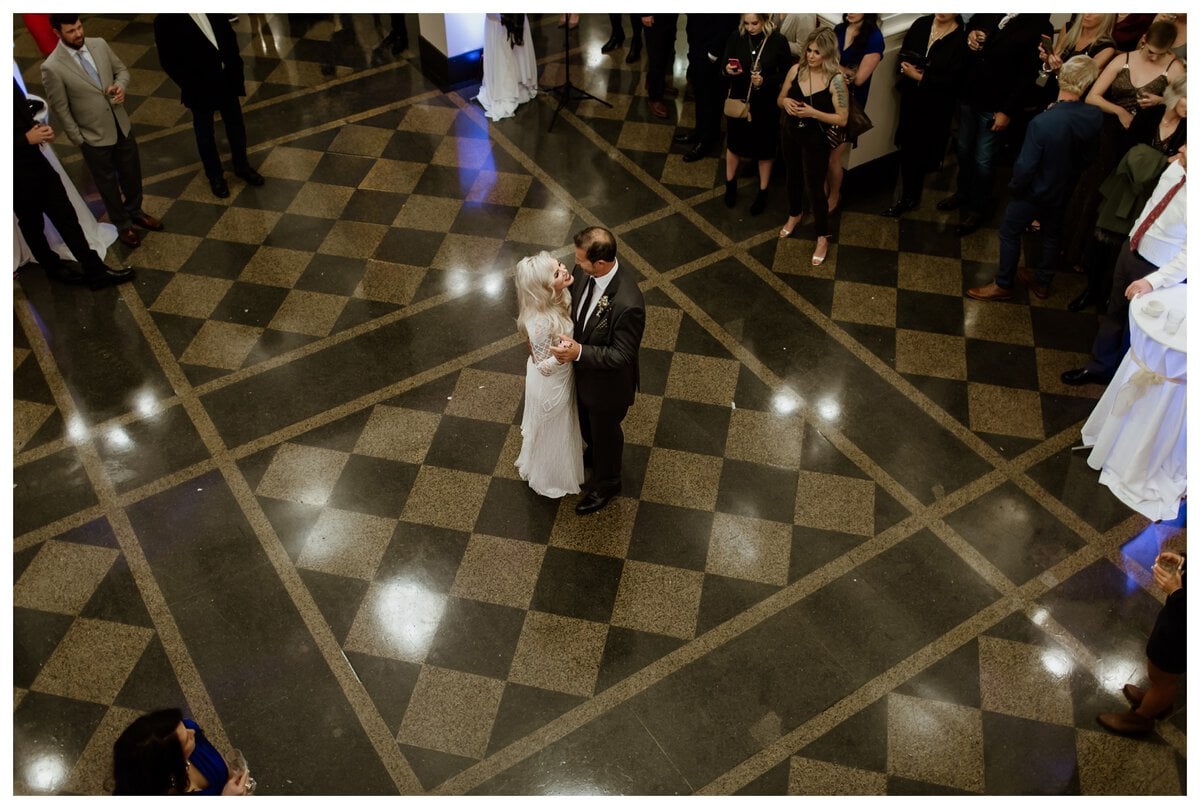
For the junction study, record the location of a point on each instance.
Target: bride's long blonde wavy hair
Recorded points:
(536, 296)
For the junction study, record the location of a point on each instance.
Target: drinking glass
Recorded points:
(1174, 319)
(237, 766)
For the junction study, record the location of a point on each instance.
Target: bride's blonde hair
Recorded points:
(536, 296)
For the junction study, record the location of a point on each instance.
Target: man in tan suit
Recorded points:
(85, 85)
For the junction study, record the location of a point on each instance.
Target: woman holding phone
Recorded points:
(756, 58)
(1087, 34)
(814, 99)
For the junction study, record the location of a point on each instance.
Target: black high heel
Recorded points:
(1081, 301)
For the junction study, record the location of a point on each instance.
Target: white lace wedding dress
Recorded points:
(551, 457)
(509, 74)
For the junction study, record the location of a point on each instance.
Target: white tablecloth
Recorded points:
(1138, 431)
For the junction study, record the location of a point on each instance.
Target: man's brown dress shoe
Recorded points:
(1028, 279)
(1134, 696)
(1127, 724)
(129, 237)
(147, 221)
(658, 109)
(990, 292)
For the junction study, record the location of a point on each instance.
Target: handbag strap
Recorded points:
(750, 89)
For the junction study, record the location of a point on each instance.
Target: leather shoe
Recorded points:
(64, 272)
(612, 44)
(1082, 376)
(145, 220)
(594, 501)
(100, 278)
(658, 109)
(1134, 696)
(1126, 724)
(990, 292)
(689, 136)
(969, 224)
(695, 153)
(634, 54)
(1081, 302)
(249, 175)
(219, 187)
(129, 238)
(900, 206)
(1028, 279)
(950, 203)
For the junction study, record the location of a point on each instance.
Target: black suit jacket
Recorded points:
(606, 375)
(206, 76)
(999, 76)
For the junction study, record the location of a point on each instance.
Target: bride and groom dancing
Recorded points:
(584, 329)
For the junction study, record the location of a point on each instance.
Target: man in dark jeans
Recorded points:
(659, 31)
(1058, 144)
(706, 37)
(1002, 61)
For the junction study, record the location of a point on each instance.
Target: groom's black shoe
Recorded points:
(594, 501)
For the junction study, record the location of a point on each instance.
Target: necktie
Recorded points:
(88, 69)
(580, 318)
(1154, 214)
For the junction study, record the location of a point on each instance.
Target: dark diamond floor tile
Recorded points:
(627, 651)
(924, 311)
(948, 394)
(193, 218)
(275, 195)
(757, 490)
(812, 548)
(1016, 534)
(476, 637)
(467, 444)
(117, 599)
(297, 232)
(817, 291)
(49, 489)
(358, 312)
(773, 782)
(511, 509)
(1063, 330)
(929, 238)
(722, 598)
(953, 679)
(524, 709)
(414, 147)
(480, 219)
(694, 339)
(669, 535)
(433, 767)
(669, 242)
(859, 742)
(380, 207)
(446, 181)
(1003, 364)
(152, 683)
(389, 682)
(578, 585)
(653, 367)
(1023, 757)
(249, 304)
(35, 637)
(46, 728)
(879, 340)
(692, 427)
(340, 169)
(413, 247)
(333, 275)
(375, 486)
(866, 265)
(423, 554)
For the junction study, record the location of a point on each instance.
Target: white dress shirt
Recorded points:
(601, 285)
(1165, 242)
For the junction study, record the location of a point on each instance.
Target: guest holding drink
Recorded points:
(162, 753)
(860, 49)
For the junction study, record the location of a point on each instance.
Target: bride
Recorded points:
(551, 457)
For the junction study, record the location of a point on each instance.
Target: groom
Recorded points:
(609, 316)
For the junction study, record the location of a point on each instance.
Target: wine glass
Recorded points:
(237, 766)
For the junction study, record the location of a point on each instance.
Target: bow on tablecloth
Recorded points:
(1139, 384)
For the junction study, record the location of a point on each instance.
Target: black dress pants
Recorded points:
(117, 170)
(806, 154)
(39, 190)
(605, 441)
(660, 52)
(206, 138)
(1112, 339)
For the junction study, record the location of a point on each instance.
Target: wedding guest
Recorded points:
(162, 753)
(815, 99)
(1154, 256)
(795, 28)
(1128, 30)
(860, 49)
(617, 38)
(755, 60)
(928, 86)
(1087, 34)
(85, 85)
(1001, 64)
(1128, 85)
(1166, 655)
(1058, 144)
(200, 53)
(659, 31)
(706, 37)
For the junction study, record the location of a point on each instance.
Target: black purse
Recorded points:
(917, 60)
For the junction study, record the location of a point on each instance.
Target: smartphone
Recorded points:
(1047, 43)
(735, 64)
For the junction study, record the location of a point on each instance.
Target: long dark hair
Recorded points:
(147, 756)
(870, 24)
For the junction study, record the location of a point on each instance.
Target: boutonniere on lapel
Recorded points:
(602, 307)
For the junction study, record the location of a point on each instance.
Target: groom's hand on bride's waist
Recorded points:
(567, 349)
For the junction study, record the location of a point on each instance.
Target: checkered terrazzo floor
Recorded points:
(271, 481)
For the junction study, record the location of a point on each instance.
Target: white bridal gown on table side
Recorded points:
(509, 74)
(551, 457)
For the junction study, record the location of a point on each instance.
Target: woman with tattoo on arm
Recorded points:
(814, 100)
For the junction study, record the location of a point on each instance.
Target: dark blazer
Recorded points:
(999, 76)
(206, 76)
(1058, 144)
(927, 106)
(709, 33)
(606, 375)
(23, 151)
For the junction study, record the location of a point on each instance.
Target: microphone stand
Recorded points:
(568, 91)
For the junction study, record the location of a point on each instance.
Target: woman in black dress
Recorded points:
(815, 100)
(756, 58)
(928, 88)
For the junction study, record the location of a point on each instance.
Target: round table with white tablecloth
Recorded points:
(1138, 431)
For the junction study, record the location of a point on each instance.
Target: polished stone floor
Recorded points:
(272, 480)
